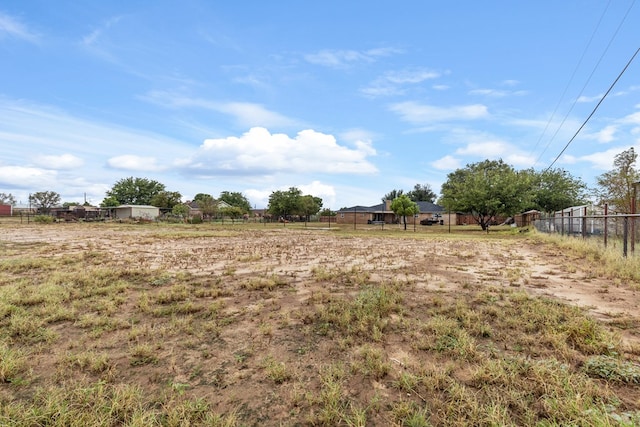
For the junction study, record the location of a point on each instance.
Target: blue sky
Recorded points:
(344, 100)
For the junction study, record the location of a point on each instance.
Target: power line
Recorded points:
(575, 101)
(564, 92)
(594, 109)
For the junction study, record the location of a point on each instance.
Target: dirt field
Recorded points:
(268, 288)
(435, 262)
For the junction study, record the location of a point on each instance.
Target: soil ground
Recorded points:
(228, 370)
(537, 268)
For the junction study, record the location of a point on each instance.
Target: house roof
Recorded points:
(425, 207)
(193, 204)
(136, 206)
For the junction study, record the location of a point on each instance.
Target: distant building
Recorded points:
(194, 207)
(135, 212)
(6, 210)
(76, 213)
(382, 214)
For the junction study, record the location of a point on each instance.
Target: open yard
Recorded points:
(127, 324)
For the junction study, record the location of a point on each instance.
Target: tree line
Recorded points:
(485, 189)
(493, 188)
(144, 191)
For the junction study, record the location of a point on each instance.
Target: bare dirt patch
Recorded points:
(249, 319)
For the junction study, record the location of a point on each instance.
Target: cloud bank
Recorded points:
(259, 152)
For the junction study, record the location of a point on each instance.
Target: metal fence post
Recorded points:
(625, 236)
(606, 227)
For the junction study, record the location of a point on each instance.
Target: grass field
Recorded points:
(252, 325)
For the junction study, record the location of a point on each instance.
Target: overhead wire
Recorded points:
(594, 109)
(575, 101)
(566, 88)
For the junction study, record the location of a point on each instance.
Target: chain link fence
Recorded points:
(623, 228)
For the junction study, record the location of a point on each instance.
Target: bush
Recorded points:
(43, 219)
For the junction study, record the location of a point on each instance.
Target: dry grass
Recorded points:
(242, 325)
(606, 262)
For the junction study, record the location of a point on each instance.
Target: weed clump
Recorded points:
(366, 315)
(612, 369)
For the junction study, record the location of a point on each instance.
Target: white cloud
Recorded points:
(604, 159)
(440, 87)
(394, 82)
(335, 58)
(446, 163)
(482, 145)
(361, 139)
(497, 93)
(345, 58)
(259, 198)
(587, 99)
(518, 159)
(607, 134)
(14, 28)
(416, 113)
(568, 159)
(355, 135)
(318, 189)
(633, 119)
(135, 163)
(63, 161)
(491, 149)
(26, 177)
(98, 43)
(410, 76)
(489, 92)
(246, 114)
(381, 88)
(93, 37)
(33, 128)
(258, 152)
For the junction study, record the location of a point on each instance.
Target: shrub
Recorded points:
(43, 219)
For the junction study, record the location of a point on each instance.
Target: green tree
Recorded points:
(236, 199)
(556, 189)
(283, 203)
(109, 202)
(202, 196)
(327, 212)
(422, 193)
(207, 205)
(486, 189)
(309, 205)
(44, 200)
(617, 186)
(180, 210)
(7, 199)
(233, 212)
(404, 206)
(135, 191)
(166, 199)
(392, 195)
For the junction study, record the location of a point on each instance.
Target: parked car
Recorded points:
(432, 221)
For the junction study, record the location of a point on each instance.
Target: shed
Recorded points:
(136, 211)
(6, 210)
